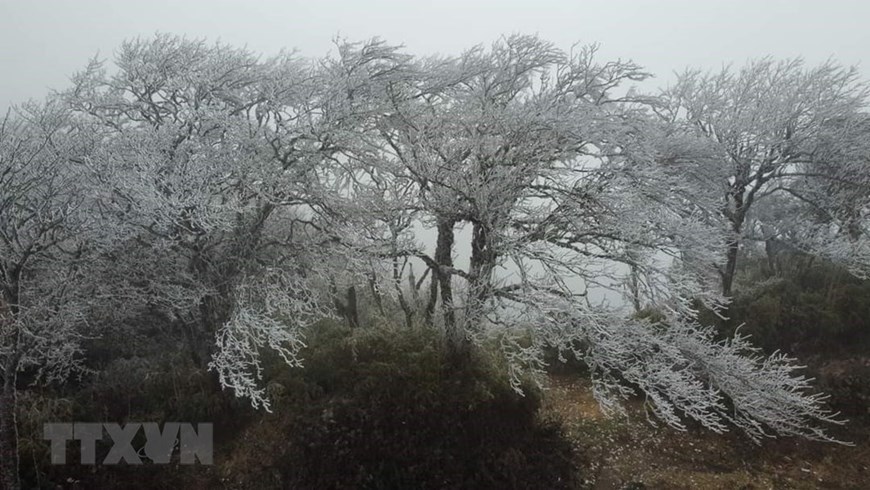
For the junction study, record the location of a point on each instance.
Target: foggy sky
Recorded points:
(43, 42)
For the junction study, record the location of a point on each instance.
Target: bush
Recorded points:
(847, 381)
(814, 310)
(808, 310)
(381, 409)
(144, 385)
(373, 408)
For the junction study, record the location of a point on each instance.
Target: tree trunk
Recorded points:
(482, 265)
(730, 267)
(429, 314)
(397, 286)
(735, 215)
(444, 259)
(9, 478)
(215, 311)
(221, 270)
(8, 428)
(634, 288)
(736, 218)
(349, 309)
(376, 293)
(352, 308)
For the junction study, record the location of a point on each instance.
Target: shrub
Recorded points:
(381, 409)
(847, 381)
(811, 310)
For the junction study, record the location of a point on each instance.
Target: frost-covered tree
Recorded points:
(207, 157)
(46, 256)
(564, 183)
(503, 140)
(822, 210)
(769, 127)
(233, 191)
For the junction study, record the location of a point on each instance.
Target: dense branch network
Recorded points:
(245, 199)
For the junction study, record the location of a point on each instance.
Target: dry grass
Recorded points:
(631, 453)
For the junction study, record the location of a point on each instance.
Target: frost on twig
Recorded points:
(684, 372)
(271, 312)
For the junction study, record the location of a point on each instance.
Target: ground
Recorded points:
(630, 452)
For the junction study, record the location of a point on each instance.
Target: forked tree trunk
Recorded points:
(347, 309)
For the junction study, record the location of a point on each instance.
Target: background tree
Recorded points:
(765, 124)
(47, 252)
(827, 215)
